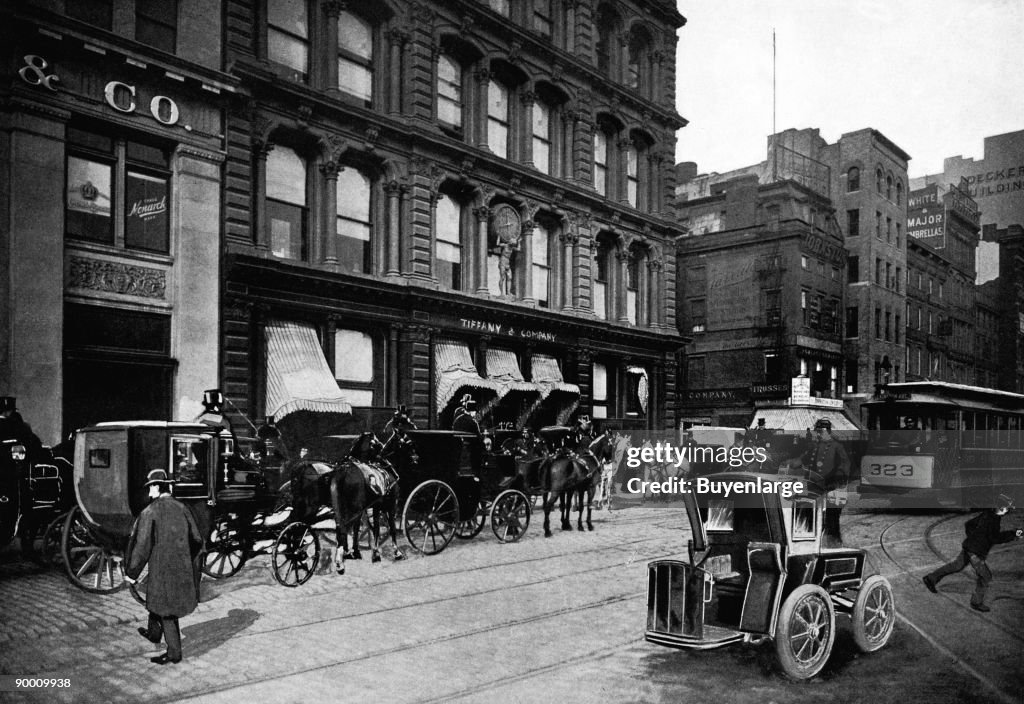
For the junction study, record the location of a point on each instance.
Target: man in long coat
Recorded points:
(829, 460)
(166, 537)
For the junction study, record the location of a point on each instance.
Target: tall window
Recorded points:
(888, 186)
(599, 390)
(355, 56)
(497, 118)
(852, 223)
(541, 264)
(542, 17)
(354, 224)
(601, 309)
(156, 23)
(99, 166)
(852, 322)
(853, 179)
(632, 175)
(852, 269)
(632, 284)
(606, 31)
(288, 35)
(637, 58)
(899, 193)
(698, 315)
(878, 181)
(601, 162)
(286, 203)
(449, 91)
(542, 137)
(353, 366)
(449, 243)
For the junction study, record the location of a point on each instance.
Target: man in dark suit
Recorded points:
(167, 538)
(982, 533)
(465, 418)
(829, 460)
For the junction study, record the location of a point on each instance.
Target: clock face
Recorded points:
(505, 224)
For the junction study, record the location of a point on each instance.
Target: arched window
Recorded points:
(633, 175)
(638, 59)
(355, 56)
(888, 187)
(878, 181)
(853, 179)
(601, 162)
(604, 278)
(541, 126)
(541, 263)
(899, 193)
(288, 35)
(632, 288)
(448, 245)
(607, 25)
(497, 118)
(354, 223)
(449, 91)
(286, 204)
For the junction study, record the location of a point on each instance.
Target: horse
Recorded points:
(562, 477)
(362, 480)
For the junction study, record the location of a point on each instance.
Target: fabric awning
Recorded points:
(643, 385)
(503, 367)
(548, 376)
(799, 418)
(454, 370)
(298, 378)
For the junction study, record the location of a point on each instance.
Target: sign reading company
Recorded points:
(492, 328)
(709, 397)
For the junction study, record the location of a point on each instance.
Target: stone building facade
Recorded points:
(111, 152)
(431, 199)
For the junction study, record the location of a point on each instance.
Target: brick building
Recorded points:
(430, 199)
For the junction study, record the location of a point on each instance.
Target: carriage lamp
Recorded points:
(18, 452)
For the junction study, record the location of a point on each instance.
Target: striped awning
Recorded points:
(503, 367)
(548, 376)
(454, 371)
(298, 378)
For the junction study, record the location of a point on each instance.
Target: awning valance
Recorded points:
(548, 376)
(800, 418)
(503, 367)
(298, 378)
(454, 370)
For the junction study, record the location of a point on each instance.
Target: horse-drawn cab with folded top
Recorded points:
(757, 571)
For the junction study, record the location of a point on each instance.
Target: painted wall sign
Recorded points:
(926, 216)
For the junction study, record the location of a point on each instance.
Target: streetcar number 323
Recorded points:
(890, 470)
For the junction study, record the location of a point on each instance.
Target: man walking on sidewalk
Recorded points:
(982, 533)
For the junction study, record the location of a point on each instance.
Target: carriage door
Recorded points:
(764, 588)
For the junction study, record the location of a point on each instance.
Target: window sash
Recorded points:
(541, 275)
(147, 221)
(88, 200)
(286, 176)
(449, 91)
(600, 307)
(542, 137)
(353, 356)
(497, 119)
(287, 229)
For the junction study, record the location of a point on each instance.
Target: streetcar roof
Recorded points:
(949, 394)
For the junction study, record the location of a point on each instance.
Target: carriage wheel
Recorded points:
(88, 565)
(510, 515)
(50, 552)
(472, 527)
(806, 631)
(227, 551)
(874, 614)
(430, 517)
(296, 553)
(141, 585)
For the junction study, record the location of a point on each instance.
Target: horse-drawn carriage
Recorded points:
(757, 571)
(34, 492)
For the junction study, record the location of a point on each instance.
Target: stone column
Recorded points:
(329, 249)
(481, 214)
(526, 250)
(391, 191)
(434, 197)
(643, 318)
(620, 183)
(261, 150)
(619, 274)
(570, 25)
(396, 42)
(568, 242)
(529, 101)
(327, 56)
(483, 78)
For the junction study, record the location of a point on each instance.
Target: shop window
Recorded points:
(354, 366)
(448, 247)
(355, 56)
(156, 23)
(541, 125)
(287, 211)
(99, 13)
(449, 91)
(498, 118)
(98, 166)
(637, 392)
(601, 162)
(602, 386)
(354, 225)
(288, 36)
(853, 179)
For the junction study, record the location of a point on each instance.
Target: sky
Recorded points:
(934, 76)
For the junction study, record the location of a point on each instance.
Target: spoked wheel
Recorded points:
(874, 614)
(472, 527)
(430, 517)
(806, 631)
(138, 589)
(510, 515)
(227, 551)
(50, 552)
(296, 553)
(89, 565)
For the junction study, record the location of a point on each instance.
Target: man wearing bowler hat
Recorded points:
(465, 418)
(982, 533)
(166, 537)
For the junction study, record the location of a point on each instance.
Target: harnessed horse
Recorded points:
(567, 473)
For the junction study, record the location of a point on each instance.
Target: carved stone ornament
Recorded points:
(117, 277)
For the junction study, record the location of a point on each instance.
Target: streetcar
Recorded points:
(933, 441)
